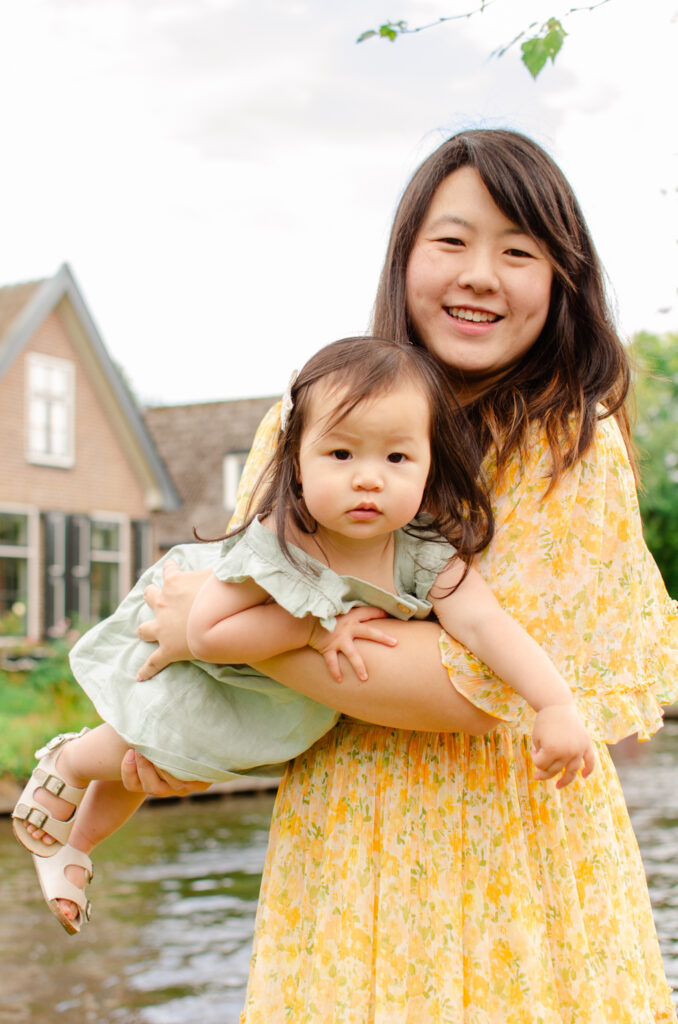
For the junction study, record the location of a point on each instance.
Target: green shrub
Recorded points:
(38, 699)
(656, 436)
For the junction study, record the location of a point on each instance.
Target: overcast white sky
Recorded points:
(221, 174)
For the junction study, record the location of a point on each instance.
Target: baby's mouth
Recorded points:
(475, 316)
(365, 511)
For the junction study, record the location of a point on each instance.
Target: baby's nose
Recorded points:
(368, 478)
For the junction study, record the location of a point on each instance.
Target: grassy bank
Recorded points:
(38, 699)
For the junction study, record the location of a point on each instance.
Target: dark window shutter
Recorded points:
(54, 527)
(78, 568)
(142, 546)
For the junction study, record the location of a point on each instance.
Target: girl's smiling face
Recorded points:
(478, 288)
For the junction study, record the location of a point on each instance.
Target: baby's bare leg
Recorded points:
(105, 807)
(92, 761)
(95, 755)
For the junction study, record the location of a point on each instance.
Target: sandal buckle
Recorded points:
(53, 784)
(36, 817)
(48, 747)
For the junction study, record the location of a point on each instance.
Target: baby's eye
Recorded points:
(340, 454)
(397, 457)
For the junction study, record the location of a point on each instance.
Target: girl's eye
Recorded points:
(520, 253)
(451, 241)
(397, 457)
(341, 454)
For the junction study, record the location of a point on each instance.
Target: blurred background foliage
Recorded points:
(38, 699)
(655, 359)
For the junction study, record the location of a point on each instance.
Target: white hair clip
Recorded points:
(287, 403)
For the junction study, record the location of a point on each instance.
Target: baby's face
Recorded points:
(366, 476)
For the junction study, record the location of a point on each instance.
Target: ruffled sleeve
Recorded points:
(574, 570)
(304, 588)
(419, 559)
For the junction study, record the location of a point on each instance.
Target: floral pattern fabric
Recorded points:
(572, 567)
(422, 878)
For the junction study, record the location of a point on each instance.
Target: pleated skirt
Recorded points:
(424, 878)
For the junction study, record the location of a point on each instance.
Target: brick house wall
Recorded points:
(75, 508)
(204, 447)
(101, 479)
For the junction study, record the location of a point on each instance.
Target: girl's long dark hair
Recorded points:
(577, 363)
(454, 504)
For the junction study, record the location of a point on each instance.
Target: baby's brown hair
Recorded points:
(454, 504)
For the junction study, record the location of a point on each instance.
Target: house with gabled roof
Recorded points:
(205, 447)
(80, 475)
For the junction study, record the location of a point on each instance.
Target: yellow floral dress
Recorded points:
(422, 878)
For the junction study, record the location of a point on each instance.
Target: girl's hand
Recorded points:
(561, 744)
(139, 775)
(351, 626)
(171, 605)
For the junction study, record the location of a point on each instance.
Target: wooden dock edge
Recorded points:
(9, 790)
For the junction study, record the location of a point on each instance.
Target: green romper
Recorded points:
(211, 722)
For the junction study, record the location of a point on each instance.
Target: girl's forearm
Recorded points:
(407, 688)
(252, 635)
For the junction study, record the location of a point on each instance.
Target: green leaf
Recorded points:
(392, 29)
(389, 30)
(536, 51)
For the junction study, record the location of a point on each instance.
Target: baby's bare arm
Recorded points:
(472, 615)
(236, 623)
(408, 686)
(468, 610)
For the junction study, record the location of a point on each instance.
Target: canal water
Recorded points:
(175, 895)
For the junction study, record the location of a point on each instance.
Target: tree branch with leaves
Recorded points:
(541, 41)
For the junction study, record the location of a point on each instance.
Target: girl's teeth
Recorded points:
(474, 315)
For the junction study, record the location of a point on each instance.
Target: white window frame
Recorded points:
(233, 466)
(121, 557)
(35, 361)
(30, 552)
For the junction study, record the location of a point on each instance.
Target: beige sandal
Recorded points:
(29, 809)
(55, 886)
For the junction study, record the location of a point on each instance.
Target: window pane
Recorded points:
(50, 409)
(58, 418)
(105, 536)
(39, 416)
(13, 528)
(59, 430)
(58, 382)
(105, 589)
(39, 411)
(38, 425)
(13, 596)
(39, 377)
